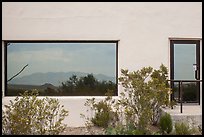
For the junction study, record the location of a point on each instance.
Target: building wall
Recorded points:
(143, 31)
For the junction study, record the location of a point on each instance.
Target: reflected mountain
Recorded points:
(55, 78)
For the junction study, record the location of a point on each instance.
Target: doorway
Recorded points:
(185, 65)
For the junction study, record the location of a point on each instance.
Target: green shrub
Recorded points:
(145, 91)
(118, 130)
(157, 133)
(131, 129)
(124, 130)
(28, 115)
(182, 129)
(102, 115)
(103, 112)
(165, 123)
(138, 132)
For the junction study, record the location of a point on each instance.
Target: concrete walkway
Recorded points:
(192, 114)
(188, 109)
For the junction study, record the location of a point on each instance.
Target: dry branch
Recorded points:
(17, 73)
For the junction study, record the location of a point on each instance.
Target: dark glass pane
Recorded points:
(189, 91)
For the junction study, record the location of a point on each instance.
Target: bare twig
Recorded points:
(17, 73)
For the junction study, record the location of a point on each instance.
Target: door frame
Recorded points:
(197, 42)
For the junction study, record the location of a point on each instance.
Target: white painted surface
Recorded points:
(142, 28)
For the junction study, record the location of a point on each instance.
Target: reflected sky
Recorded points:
(184, 58)
(97, 58)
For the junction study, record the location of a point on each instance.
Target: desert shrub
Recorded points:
(145, 91)
(165, 123)
(182, 128)
(28, 115)
(102, 115)
(129, 129)
(103, 112)
(156, 133)
(118, 130)
(160, 92)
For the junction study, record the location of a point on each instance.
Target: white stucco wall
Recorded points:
(143, 29)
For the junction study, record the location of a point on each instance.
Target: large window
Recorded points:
(61, 68)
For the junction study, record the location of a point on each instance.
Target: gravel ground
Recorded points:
(83, 131)
(93, 130)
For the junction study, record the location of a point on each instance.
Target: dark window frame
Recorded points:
(6, 42)
(185, 41)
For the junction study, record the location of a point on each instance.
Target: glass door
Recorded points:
(185, 65)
